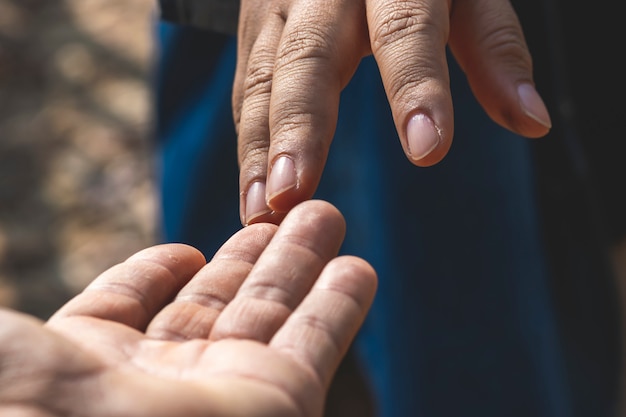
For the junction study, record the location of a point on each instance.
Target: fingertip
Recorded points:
(319, 209)
(270, 217)
(254, 206)
(322, 205)
(427, 142)
(524, 113)
(284, 189)
(533, 107)
(423, 137)
(180, 260)
(171, 253)
(316, 224)
(283, 176)
(285, 201)
(353, 276)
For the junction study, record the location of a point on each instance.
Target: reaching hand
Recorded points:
(258, 331)
(295, 57)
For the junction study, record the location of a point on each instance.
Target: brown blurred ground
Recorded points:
(76, 189)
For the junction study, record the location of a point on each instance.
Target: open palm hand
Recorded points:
(257, 331)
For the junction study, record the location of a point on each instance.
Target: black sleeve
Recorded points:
(216, 15)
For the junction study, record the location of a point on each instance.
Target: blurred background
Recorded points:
(77, 191)
(76, 179)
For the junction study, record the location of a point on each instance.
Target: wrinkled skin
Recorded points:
(295, 57)
(258, 331)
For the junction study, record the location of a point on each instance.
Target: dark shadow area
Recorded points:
(581, 174)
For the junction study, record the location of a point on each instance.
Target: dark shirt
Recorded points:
(216, 15)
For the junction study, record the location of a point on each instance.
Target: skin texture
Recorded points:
(295, 57)
(258, 331)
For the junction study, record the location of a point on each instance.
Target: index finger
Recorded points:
(308, 238)
(133, 291)
(317, 53)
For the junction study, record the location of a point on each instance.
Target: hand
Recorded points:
(295, 57)
(258, 331)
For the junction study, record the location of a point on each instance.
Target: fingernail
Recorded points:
(533, 105)
(255, 202)
(422, 136)
(282, 177)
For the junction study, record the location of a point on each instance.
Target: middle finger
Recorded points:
(308, 238)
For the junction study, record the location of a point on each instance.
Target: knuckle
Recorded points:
(506, 40)
(259, 74)
(253, 152)
(307, 43)
(406, 81)
(399, 23)
(287, 121)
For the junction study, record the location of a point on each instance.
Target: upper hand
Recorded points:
(295, 57)
(258, 331)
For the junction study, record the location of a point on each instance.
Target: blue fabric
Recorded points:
(463, 323)
(195, 134)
